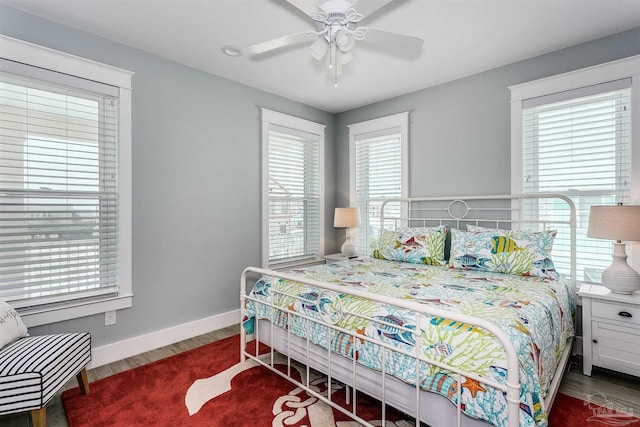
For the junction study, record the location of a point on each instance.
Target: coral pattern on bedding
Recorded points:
(536, 313)
(417, 245)
(509, 252)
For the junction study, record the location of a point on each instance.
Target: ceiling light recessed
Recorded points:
(231, 51)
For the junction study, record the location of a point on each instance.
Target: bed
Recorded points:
(486, 333)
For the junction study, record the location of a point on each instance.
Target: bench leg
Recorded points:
(39, 417)
(83, 382)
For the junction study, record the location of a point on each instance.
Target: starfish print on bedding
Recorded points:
(473, 386)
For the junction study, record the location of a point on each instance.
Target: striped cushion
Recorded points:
(33, 369)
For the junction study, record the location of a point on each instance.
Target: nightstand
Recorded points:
(331, 258)
(610, 330)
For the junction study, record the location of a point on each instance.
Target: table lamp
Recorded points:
(347, 218)
(617, 223)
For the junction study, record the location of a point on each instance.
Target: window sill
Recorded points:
(74, 310)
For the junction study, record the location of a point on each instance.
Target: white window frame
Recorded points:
(42, 57)
(269, 118)
(394, 121)
(602, 73)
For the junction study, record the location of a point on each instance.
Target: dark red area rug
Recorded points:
(207, 387)
(597, 411)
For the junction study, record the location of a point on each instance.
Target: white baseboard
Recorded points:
(133, 346)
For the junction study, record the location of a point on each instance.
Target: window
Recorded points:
(580, 147)
(64, 237)
(378, 170)
(293, 220)
(577, 141)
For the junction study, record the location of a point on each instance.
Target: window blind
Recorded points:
(58, 189)
(378, 175)
(294, 195)
(579, 147)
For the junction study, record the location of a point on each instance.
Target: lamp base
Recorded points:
(348, 249)
(619, 277)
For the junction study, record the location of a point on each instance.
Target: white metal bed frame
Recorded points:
(381, 385)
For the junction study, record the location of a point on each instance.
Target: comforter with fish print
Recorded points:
(536, 313)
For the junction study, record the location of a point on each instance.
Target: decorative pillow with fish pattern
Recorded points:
(524, 253)
(418, 245)
(544, 237)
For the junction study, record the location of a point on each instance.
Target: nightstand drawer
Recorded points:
(616, 311)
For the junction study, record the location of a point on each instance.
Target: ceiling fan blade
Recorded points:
(307, 6)
(367, 7)
(280, 42)
(399, 43)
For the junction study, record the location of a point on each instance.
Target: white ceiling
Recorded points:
(462, 37)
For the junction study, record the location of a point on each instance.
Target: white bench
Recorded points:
(34, 368)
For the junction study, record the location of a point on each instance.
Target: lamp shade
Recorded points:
(621, 222)
(346, 217)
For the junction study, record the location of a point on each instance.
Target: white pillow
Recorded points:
(11, 326)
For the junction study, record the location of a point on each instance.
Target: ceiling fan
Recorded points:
(337, 30)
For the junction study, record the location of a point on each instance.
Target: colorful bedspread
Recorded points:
(537, 314)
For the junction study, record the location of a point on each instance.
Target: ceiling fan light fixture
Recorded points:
(339, 63)
(344, 40)
(346, 57)
(319, 48)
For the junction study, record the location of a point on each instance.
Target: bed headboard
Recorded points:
(541, 211)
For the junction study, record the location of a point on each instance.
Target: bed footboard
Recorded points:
(347, 370)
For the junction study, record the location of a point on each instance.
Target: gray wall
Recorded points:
(459, 132)
(196, 181)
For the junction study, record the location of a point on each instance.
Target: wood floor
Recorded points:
(624, 389)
